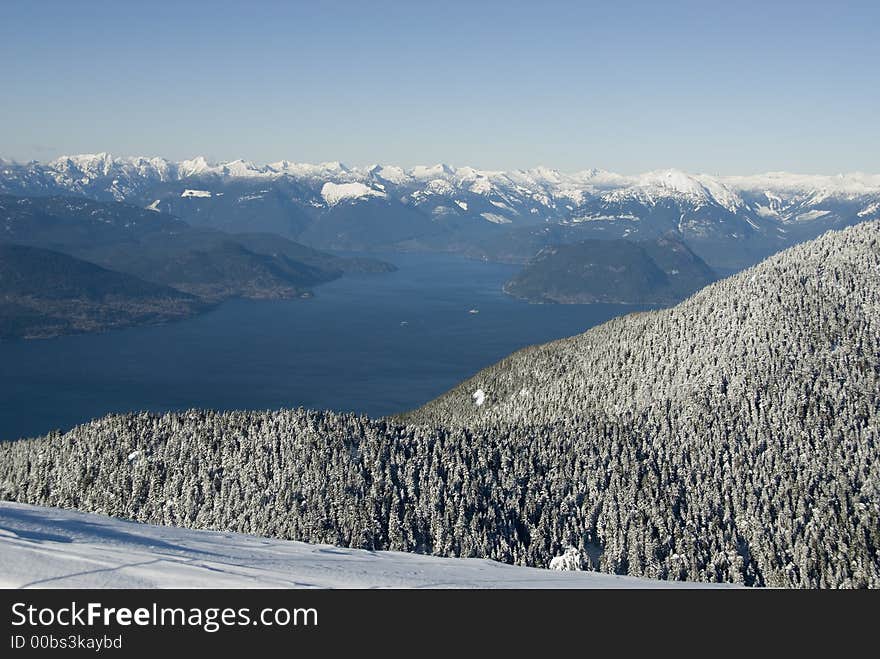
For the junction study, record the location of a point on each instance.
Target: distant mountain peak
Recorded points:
(671, 179)
(98, 163)
(193, 167)
(781, 205)
(432, 171)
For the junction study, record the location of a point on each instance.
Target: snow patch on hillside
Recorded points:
(811, 215)
(495, 218)
(872, 209)
(333, 193)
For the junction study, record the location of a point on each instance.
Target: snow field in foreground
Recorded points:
(54, 548)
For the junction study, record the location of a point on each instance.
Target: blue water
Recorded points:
(377, 344)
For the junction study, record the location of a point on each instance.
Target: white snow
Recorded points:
(495, 218)
(54, 548)
(438, 186)
(811, 215)
(570, 560)
(502, 206)
(603, 218)
(193, 167)
(333, 193)
(481, 186)
(94, 163)
(766, 211)
(242, 169)
(698, 189)
(391, 174)
(195, 193)
(431, 172)
(872, 209)
(839, 185)
(565, 196)
(537, 182)
(322, 170)
(479, 397)
(442, 210)
(720, 193)
(673, 180)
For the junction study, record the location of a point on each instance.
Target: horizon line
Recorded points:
(358, 167)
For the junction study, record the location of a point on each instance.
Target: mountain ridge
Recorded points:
(187, 269)
(660, 271)
(85, 168)
(735, 306)
(759, 214)
(44, 293)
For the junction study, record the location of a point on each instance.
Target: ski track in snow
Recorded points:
(54, 548)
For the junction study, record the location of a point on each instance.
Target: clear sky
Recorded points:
(718, 87)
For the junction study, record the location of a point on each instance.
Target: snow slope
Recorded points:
(333, 193)
(54, 548)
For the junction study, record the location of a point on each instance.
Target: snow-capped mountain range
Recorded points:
(447, 207)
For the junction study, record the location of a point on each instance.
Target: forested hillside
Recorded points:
(731, 438)
(140, 249)
(659, 271)
(795, 335)
(44, 293)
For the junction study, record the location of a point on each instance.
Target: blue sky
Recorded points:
(733, 87)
